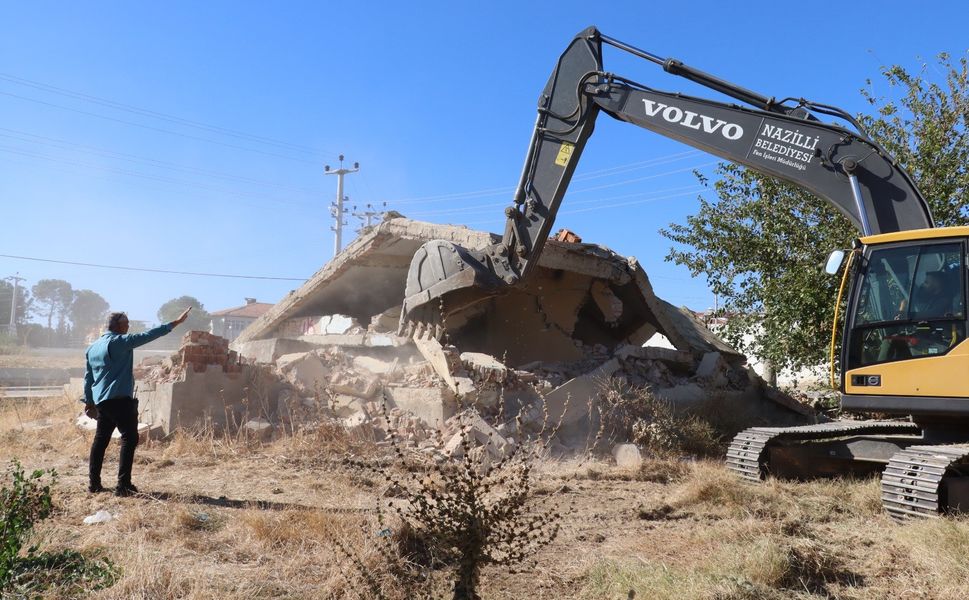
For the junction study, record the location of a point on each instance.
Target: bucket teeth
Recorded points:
(422, 324)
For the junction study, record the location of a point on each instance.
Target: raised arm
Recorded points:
(133, 340)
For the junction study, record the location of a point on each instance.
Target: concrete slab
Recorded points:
(578, 292)
(487, 367)
(433, 405)
(433, 353)
(375, 365)
(304, 369)
(268, 351)
(570, 401)
(209, 397)
(682, 397)
(671, 357)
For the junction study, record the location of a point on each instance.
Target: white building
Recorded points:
(230, 322)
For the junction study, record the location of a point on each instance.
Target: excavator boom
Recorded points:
(786, 140)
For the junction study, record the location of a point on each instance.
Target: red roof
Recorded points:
(253, 310)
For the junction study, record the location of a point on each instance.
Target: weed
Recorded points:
(200, 520)
(635, 414)
(466, 515)
(25, 500)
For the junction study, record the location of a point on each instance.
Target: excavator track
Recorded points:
(912, 482)
(747, 455)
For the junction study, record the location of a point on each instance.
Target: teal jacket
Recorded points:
(110, 364)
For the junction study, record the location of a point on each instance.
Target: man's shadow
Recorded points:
(223, 502)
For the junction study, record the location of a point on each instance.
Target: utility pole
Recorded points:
(336, 209)
(369, 215)
(12, 328)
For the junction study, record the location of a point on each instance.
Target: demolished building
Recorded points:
(581, 295)
(582, 318)
(542, 351)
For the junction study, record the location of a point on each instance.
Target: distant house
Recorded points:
(230, 322)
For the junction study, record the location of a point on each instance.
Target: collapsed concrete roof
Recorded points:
(581, 294)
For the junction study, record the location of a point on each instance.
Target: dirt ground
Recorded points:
(235, 518)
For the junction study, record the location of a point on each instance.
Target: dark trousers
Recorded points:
(123, 414)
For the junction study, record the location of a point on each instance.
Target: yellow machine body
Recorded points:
(918, 366)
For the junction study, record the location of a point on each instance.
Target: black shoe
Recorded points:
(95, 488)
(123, 491)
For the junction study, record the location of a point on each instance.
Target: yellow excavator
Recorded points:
(904, 351)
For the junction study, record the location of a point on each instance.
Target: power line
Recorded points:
(165, 187)
(588, 189)
(598, 207)
(149, 270)
(160, 129)
(585, 176)
(638, 179)
(33, 138)
(160, 178)
(158, 115)
(480, 207)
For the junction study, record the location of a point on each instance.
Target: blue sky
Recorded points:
(192, 136)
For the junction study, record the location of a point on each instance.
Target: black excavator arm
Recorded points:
(783, 139)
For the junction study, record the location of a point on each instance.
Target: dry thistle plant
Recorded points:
(475, 508)
(635, 414)
(468, 512)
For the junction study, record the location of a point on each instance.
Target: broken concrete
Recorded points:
(447, 364)
(627, 456)
(580, 294)
(203, 384)
(304, 369)
(535, 354)
(259, 428)
(486, 367)
(270, 350)
(432, 405)
(570, 401)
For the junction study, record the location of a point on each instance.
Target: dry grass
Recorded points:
(17, 356)
(230, 517)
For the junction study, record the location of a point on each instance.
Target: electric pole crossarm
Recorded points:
(338, 210)
(12, 327)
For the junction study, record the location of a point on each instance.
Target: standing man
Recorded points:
(109, 387)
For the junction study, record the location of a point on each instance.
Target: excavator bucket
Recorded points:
(444, 281)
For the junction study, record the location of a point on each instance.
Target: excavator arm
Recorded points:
(783, 139)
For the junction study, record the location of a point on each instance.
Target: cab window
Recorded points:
(911, 304)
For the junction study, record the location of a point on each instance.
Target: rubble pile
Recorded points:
(537, 354)
(432, 390)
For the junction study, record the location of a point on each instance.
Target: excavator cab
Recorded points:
(907, 314)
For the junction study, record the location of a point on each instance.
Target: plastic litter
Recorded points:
(102, 516)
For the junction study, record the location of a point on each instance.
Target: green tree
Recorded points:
(88, 310)
(762, 244)
(197, 319)
(23, 303)
(52, 297)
